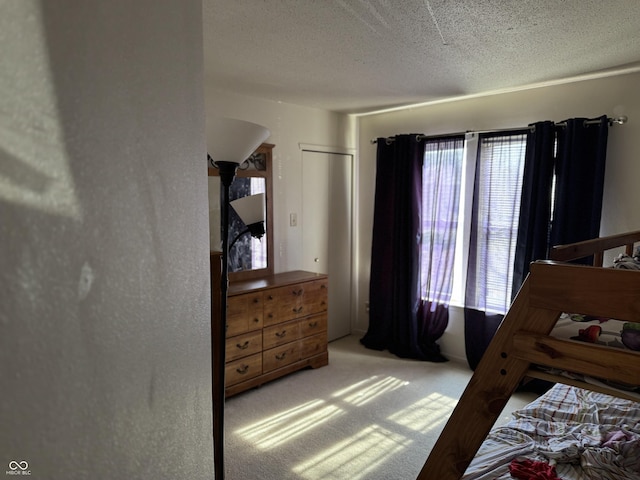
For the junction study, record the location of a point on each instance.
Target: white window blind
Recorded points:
(494, 228)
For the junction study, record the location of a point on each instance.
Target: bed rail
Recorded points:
(595, 247)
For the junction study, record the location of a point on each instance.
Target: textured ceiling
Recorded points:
(357, 55)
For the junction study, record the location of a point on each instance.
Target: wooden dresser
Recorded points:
(275, 325)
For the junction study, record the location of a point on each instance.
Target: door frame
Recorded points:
(352, 152)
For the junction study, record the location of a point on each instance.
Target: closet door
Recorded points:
(326, 222)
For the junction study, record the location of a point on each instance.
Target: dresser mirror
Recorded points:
(248, 257)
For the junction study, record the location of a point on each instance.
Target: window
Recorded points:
(494, 221)
(479, 189)
(441, 182)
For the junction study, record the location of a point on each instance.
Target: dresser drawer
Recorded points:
(280, 334)
(281, 356)
(244, 313)
(243, 369)
(243, 345)
(313, 345)
(315, 297)
(282, 304)
(313, 325)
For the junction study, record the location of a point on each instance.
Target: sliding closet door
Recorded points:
(326, 223)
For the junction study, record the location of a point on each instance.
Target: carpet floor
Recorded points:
(367, 415)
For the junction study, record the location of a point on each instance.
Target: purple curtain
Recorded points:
(494, 226)
(535, 203)
(579, 166)
(397, 319)
(441, 185)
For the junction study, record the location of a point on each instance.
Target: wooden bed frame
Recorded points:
(523, 340)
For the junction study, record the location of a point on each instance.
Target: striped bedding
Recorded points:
(585, 435)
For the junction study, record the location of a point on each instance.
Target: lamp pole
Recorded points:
(233, 140)
(227, 174)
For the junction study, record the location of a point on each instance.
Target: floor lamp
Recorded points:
(229, 143)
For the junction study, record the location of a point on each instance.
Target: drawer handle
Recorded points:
(281, 334)
(298, 310)
(297, 293)
(313, 324)
(243, 369)
(270, 315)
(270, 297)
(281, 356)
(323, 286)
(244, 346)
(256, 320)
(255, 300)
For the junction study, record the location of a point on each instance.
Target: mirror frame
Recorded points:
(264, 150)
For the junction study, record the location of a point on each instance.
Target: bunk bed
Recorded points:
(525, 341)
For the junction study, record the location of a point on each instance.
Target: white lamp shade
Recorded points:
(250, 209)
(232, 140)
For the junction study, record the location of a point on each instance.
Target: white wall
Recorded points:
(105, 298)
(290, 126)
(613, 96)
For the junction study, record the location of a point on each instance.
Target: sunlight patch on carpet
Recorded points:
(287, 426)
(366, 391)
(355, 457)
(425, 414)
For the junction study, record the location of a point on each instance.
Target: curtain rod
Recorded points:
(621, 120)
